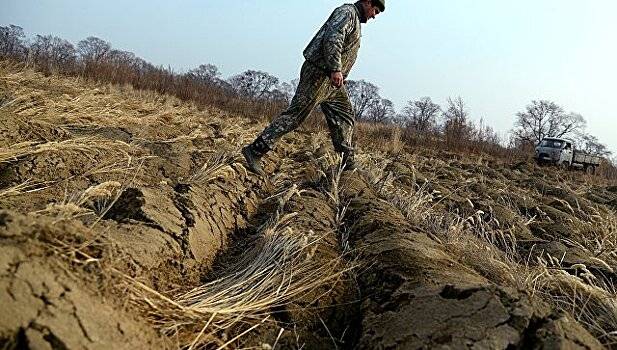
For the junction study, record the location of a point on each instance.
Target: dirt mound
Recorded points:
(419, 297)
(323, 315)
(46, 306)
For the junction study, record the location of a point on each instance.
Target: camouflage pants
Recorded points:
(315, 89)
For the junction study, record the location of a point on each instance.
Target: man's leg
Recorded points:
(311, 90)
(340, 117)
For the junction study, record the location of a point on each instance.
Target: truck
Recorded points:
(562, 152)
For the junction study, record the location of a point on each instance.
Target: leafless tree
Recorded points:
(381, 111)
(119, 57)
(570, 123)
(420, 115)
(485, 134)
(52, 53)
(294, 84)
(138, 63)
(546, 119)
(12, 41)
(456, 111)
(121, 65)
(590, 144)
(362, 95)
(287, 90)
(93, 49)
(254, 84)
(205, 73)
(455, 121)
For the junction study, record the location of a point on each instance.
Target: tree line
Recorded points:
(255, 92)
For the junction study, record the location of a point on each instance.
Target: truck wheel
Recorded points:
(590, 169)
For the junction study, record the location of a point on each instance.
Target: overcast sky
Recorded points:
(497, 55)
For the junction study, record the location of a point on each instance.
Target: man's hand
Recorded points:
(336, 78)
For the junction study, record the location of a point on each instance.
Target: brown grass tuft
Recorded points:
(278, 269)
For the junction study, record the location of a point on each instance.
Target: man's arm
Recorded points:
(338, 27)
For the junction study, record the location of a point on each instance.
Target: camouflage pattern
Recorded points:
(315, 89)
(335, 46)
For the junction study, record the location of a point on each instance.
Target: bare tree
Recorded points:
(93, 49)
(546, 119)
(287, 90)
(294, 84)
(381, 111)
(126, 57)
(485, 134)
(362, 95)
(277, 95)
(456, 123)
(420, 115)
(53, 53)
(122, 65)
(12, 41)
(456, 111)
(590, 144)
(205, 73)
(254, 84)
(129, 58)
(570, 123)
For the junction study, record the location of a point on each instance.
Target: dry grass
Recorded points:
(25, 187)
(483, 257)
(95, 200)
(589, 298)
(601, 240)
(218, 165)
(156, 97)
(416, 203)
(482, 243)
(76, 103)
(576, 291)
(88, 145)
(381, 138)
(125, 166)
(331, 167)
(278, 270)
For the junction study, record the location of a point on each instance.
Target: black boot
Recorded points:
(348, 161)
(253, 153)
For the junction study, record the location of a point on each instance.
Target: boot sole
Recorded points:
(250, 162)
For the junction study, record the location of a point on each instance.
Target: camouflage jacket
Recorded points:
(335, 46)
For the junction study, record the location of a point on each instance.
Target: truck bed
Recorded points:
(586, 159)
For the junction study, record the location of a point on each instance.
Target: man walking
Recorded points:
(329, 58)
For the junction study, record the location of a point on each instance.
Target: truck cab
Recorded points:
(554, 150)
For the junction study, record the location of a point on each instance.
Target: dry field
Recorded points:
(128, 221)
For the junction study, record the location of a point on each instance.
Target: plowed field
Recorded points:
(129, 221)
